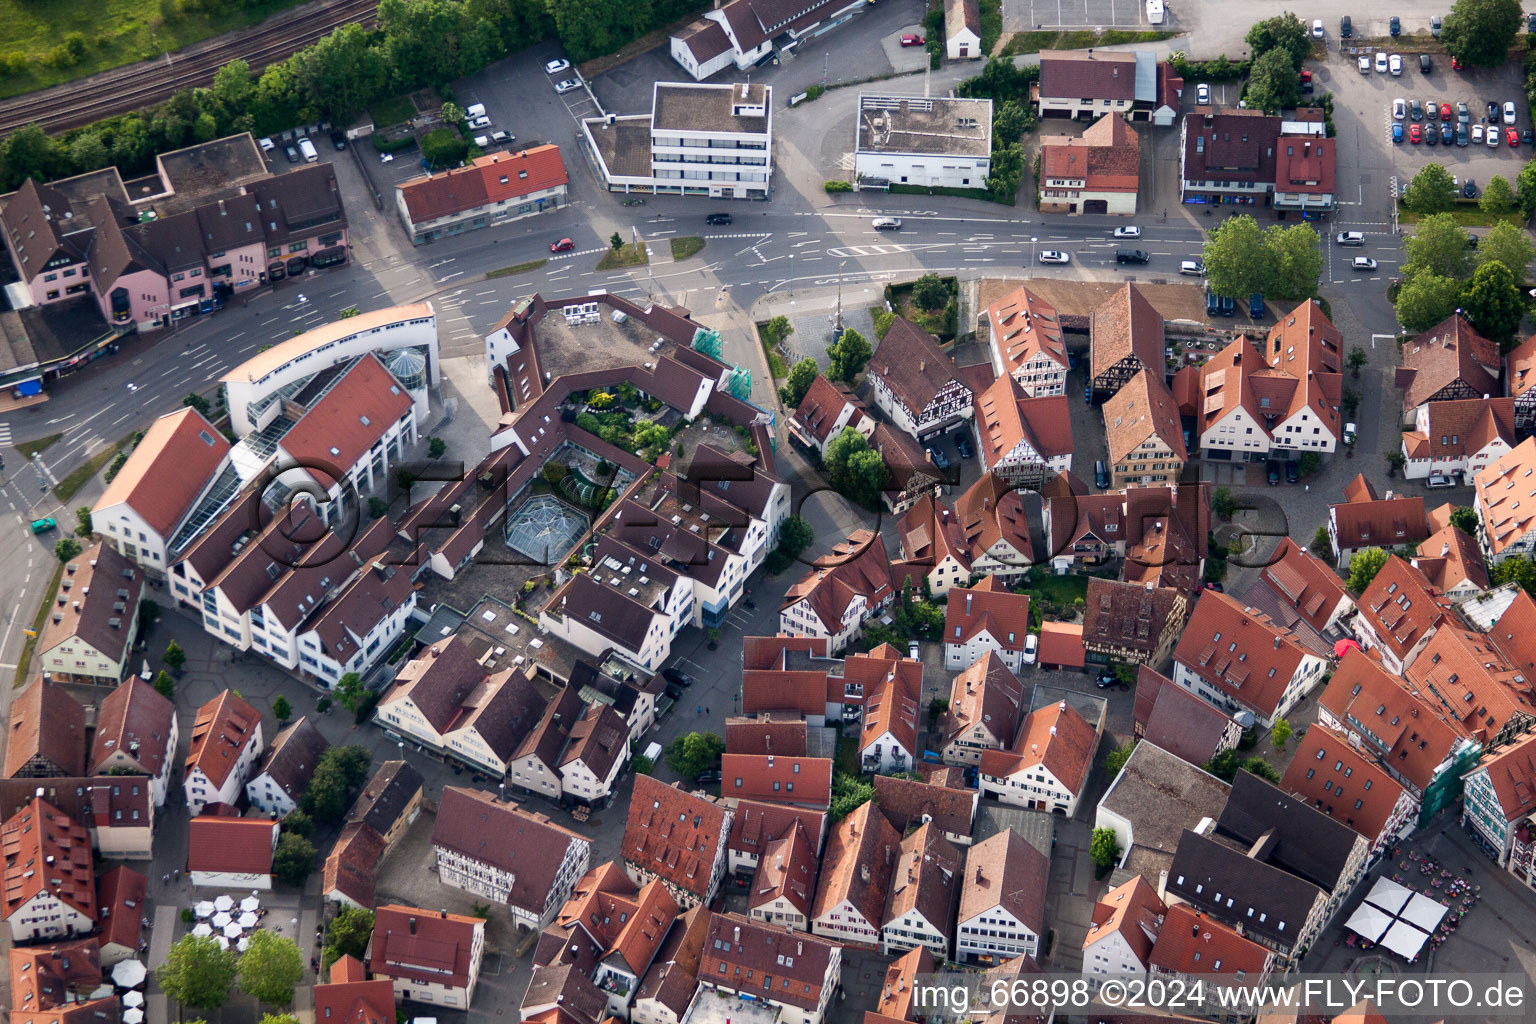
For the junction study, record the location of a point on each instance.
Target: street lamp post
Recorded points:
(1032, 240)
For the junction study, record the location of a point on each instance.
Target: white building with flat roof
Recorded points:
(698, 140)
(919, 140)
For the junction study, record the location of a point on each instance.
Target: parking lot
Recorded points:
(1028, 15)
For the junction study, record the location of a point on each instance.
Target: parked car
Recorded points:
(713, 775)
(1493, 136)
(1530, 22)
(1395, 64)
(1445, 112)
(1397, 131)
(1395, 27)
(44, 525)
(1272, 472)
(1509, 112)
(1425, 64)
(1054, 256)
(564, 245)
(1100, 475)
(502, 138)
(1317, 28)
(1415, 110)
(1431, 137)
(1381, 62)
(291, 153)
(267, 145)
(1031, 649)
(914, 650)
(1132, 256)
(1469, 189)
(1461, 135)
(938, 458)
(674, 691)
(1399, 109)
(1528, 137)
(1463, 114)
(1104, 681)
(480, 122)
(1349, 433)
(1477, 134)
(1129, 231)
(386, 158)
(1512, 137)
(1192, 268)
(677, 676)
(1364, 64)
(556, 66)
(1203, 94)
(1362, 263)
(1292, 472)
(1447, 134)
(1440, 480)
(718, 218)
(963, 446)
(1435, 25)
(886, 223)
(1350, 238)
(339, 140)
(567, 85)
(913, 40)
(1456, 64)
(1346, 27)
(1493, 112)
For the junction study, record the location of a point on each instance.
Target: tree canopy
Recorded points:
(197, 972)
(1492, 302)
(348, 934)
(1284, 32)
(293, 858)
(1273, 84)
(271, 968)
(1480, 32)
(854, 468)
(1437, 246)
(1364, 566)
(1432, 190)
(801, 376)
(1242, 259)
(1425, 299)
(694, 753)
(1508, 244)
(1497, 196)
(1464, 518)
(847, 356)
(338, 773)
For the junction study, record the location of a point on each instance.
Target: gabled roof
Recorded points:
(1023, 326)
(823, 404)
(47, 851)
(673, 834)
(1177, 720)
(1127, 614)
(905, 802)
(135, 719)
(857, 566)
(1304, 582)
(121, 896)
(628, 922)
(349, 867)
(1193, 943)
(989, 606)
(1450, 558)
(1239, 652)
(599, 737)
(223, 727)
(528, 846)
(796, 962)
(1448, 352)
(777, 778)
(1159, 793)
(1005, 870)
(1141, 411)
(1512, 773)
(1291, 834)
(1337, 780)
(890, 706)
(1106, 157)
(786, 870)
(1504, 493)
(424, 946)
(1514, 634)
(856, 864)
(1132, 909)
(1086, 74)
(768, 735)
(1204, 866)
(1305, 165)
(348, 999)
(437, 680)
(1463, 427)
(1402, 606)
(1056, 737)
(227, 844)
(926, 878)
(900, 978)
(168, 469)
(1520, 366)
(986, 694)
(47, 725)
(991, 512)
(673, 975)
(1232, 145)
(911, 364)
(1123, 326)
(355, 414)
(293, 756)
(385, 796)
(492, 178)
(757, 823)
(52, 984)
(1006, 416)
(96, 602)
(961, 16)
(1466, 673)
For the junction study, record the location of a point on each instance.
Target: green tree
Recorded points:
(616, 241)
(165, 686)
(293, 859)
(849, 793)
(1525, 189)
(1364, 566)
(1508, 244)
(451, 113)
(174, 656)
(337, 774)
(1465, 520)
(350, 691)
(1104, 848)
(87, 152)
(1284, 32)
(1273, 84)
(1480, 32)
(299, 823)
(436, 446)
(695, 753)
(1358, 357)
(281, 709)
(348, 934)
(795, 535)
(1492, 302)
(66, 548)
(929, 292)
(205, 128)
(848, 356)
(1432, 190)
(1497, 197)
(776, 330)
(801, 376)
(377, 507)
(1009, 122)
(278, 1018)
(233, 88)
(272, 967)
(1280, 733)
(1260, 767)
(197, 972)
(1519, 571)
(1236, 260)
(83, 521)
(1322, 544)
(1115, 759)
(854, 468)
(1222, 502)
(198, 402)
(28, 152)
(1294, 261)
(1223, 765)
(1425, 299)
(1007, 172)
(443, 148)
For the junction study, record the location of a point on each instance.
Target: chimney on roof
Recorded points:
(737, 935)
(443, 914)
(863, 870)
(413, 926)
(922, 365)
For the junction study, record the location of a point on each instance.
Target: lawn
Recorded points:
(686, 246)
(1467, 214)
(516, 268)
(1080, 39)
(30, 642)
(394, 110)
(115, 32)
(1062, 590)
(31, 448)
(70, 486)
(624, 256)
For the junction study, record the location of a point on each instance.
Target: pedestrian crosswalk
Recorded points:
(5, 435)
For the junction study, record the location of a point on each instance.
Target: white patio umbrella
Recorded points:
(250, 904)
(243, 945)
(202, 929)
(247, 920)
(204, 909)
(134, 998)
(224, 903)
(222, 941)
(129, 973)
(221, 919)
(133, 1016)
(232, 931)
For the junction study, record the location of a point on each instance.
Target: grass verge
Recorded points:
(1080, 39)
(776, 365)
(395, 110)
(516, 268)
(31, 448)
(1467, 214)
(30, 642)
(624, 256)
(942, 190)
(70, 486)
(686, 246)
(991, 24)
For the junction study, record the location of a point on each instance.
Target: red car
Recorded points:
(912, 40)
(1512, 137)
(1455, 63)
(1414, 135)
(1445, 112)
(566, 244)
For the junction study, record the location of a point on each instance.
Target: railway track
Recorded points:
(135, 86)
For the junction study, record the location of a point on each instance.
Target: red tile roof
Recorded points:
(121, 898)
(1514, 634)
(1304, 165)
(1057, 737)
(1473, 682)
(926, 878)
(99, 614)
(1006, 416)
(1512, 771)
(1448, 353)
(857, 566)
(1504, 493)
(1341, 783)
(1230, 145)
(223, 727)
(626, 921)
(777, 778)
(1079, 74)
(348, 999)
(349, 867)
(1004, 870)
(1402, 606)
(1463, 427)
(136, 721)
(47, 733)
(237, 845)
(1175, 719)
(1450, 558)
(990, 606)
(757, 824)
(986, 694)
(784, 736)
(1194, 943)
(1239, 652)
(823, 404)
(1106, 157)
(1387, 523)
(527, 845)
(911, 364)
(992, 512)
(856, 865)
(900, 979)
(1126, 326)
(787, 870)
(1305, 582)
(354, 414)
(50, 985)
(1520, 366)
(1023, 326)
(673, 834)
(488, 179)
(1061, 644)
(424, 946)
(1132, 909)
(40, 836)
(907, 802)
(795, 963)
(1142, 410)
(890, 706)
(168, 470)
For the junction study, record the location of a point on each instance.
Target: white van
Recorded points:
(308, 149)
(267, 145)
(653, 753)
(474, 110)
(1192, 268)
(482, 142)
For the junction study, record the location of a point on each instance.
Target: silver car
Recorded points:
(567, 85)
(1054, 256)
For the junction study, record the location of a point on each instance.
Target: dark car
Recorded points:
(718, 218)
(963, 447)
(339, 140)
(1132, 256)
(1292, 472)
(1493, 112)
(1105, 681)
(1447, 134)
(710, 776)
(1395, 26)
(291, 153)
(672, 675)
(674, 691)
(1530, 22)
(1425, 64)
(1431, 137)
(1528, 137)
(1471, 240)
(1469, 190)
(1346, 27)
(1100, 475)
(1272, 473)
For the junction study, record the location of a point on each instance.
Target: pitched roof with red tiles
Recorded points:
(626, 921)
(1099, 75)
(1239, 652)
(476, 825)
(823, 405)
(1132, 909)
(1514, 634)
(423, 946)
(598, 739)
(227, 844)
(52, 984)
(1057, 737)
(1006, 417)
(856, 864)
(492, 178)
(1106, 157)
(1061, 645)
(1450, 558)
(121, 896)
(900, 979)
(223, 727)
(349, 867)
(986, 694)
(796, 963)
(1230, 145)
(1342, 783)
(1142, 410)
(989, 606)
(926, 878)
(857, 567)
(1387, 523)
(1126, 326)
(349, 999)
(1194, 943)
(1005, 870)
(1463, 427)
(756, 824)
(907, 801)
(1401, 606)
(340, 428)
(100, 614)
(1175, 719)
(1512, 772)
(890, 706)
(786, 870)
(136, 720)
(1448, 352)
(673, 834)
(1473, 681)
(1128, 614)
(1504, 493)
(766, 735)
(777, 778)
(1305, 582)
(912, 365)
(40, 835)
(1520, 367)
(1024, 326)
(1167, 535)
(47, 725)
(167, 470)
(1415, 731)
(1305, 165)
(991, 513)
